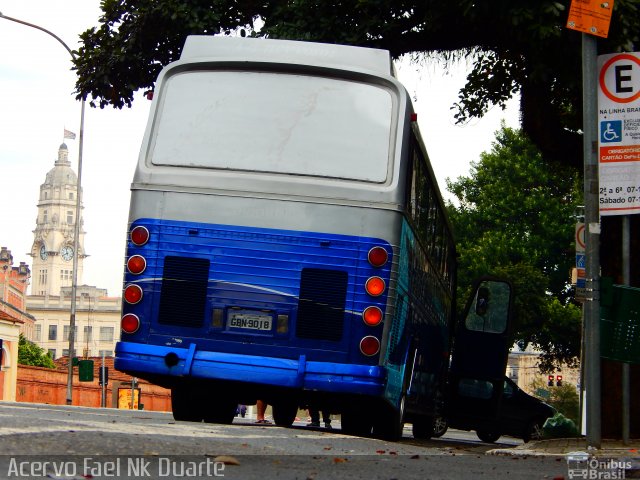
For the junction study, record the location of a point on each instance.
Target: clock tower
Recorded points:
(53, 238)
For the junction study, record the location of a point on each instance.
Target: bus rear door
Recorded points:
(479, 360)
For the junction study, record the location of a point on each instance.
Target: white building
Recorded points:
(97, 315)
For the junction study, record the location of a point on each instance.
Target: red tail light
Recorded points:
(139, 236)
(130, 323)
(136, 264)
(375, 286)
(132, 294)
(378, 256)
(372, 316)
(369, 346)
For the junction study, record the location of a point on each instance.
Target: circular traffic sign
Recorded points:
(580, 236)
(603, 78)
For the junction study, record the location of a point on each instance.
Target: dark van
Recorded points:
(520, 415)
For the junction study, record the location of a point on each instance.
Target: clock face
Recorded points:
(66, 252)
(43, 253)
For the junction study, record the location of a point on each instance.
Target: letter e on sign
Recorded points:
(620, 78)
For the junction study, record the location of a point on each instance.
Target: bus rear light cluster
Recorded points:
(139, 236)
(372, 316)
(375, 286)
(132, 294)
(378, 256)
(369, 346)
(130, 323)
(136, 264)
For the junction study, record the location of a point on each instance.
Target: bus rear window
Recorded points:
(280, 123)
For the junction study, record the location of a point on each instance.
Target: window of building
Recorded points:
(69, 217)
(65, 332)
(70, 195)
(53, 333)
(45, 217)
(65, 352)
(37, 335)
(106, 334)
(42, 277)
(105, 353)
(52, 353)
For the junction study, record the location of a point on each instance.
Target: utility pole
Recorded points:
(592, 240)
(76, 231)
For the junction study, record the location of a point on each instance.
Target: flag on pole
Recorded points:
(69, 134)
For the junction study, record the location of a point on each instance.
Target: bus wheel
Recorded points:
(284, 413)
(221, 411)
(185, 406)
(390, 425)
(423, 428)
(356, 423)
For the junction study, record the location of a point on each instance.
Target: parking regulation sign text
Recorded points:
(619, 133)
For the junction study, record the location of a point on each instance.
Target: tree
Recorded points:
(515, 219)
(31, 354)
(516, 45)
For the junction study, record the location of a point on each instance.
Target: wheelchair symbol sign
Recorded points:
(611, 131)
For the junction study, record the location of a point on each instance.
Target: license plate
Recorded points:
(250, 321)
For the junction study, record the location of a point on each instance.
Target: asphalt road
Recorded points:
(46, 441)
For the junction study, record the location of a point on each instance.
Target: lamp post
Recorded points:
(76, 231)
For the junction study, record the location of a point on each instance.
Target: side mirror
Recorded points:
(482, 301)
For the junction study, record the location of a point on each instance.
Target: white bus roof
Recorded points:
(221, 48)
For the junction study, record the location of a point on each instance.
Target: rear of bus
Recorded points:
(265, 215)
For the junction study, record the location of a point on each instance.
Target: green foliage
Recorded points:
(515, 45)
(515, 219)
(564, 399)
(31, 354)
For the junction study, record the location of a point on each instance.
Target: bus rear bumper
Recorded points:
(157, 360)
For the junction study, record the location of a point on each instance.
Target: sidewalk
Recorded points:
(563, 446)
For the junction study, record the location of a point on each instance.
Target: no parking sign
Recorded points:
(619, 133)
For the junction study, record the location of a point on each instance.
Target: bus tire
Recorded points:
(284, 413)
(221, 411)
(184, 406)
(356, 423)
(423, 428)
(391, 425)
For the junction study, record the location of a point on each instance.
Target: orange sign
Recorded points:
(590, 16)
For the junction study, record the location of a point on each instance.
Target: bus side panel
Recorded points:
(417, 345)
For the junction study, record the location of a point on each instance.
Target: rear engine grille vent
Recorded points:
(183, 296)
(321, 304)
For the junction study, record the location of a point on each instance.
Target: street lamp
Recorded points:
(76, 231)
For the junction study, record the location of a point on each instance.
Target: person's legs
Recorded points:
(326, 418)
(261, 408)
(315, 418)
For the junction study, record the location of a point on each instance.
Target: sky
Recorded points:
(37, 104)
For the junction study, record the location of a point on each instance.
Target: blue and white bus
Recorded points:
(287, 240)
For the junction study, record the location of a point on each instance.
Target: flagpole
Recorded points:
(76, 231)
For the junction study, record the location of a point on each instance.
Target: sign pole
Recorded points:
(592, 240)
(626, 279)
